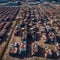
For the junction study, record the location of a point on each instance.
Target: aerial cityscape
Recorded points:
(29, 29)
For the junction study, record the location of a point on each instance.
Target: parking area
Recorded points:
(7, 24)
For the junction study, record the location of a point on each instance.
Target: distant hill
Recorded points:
(28, 0)
(44, 0)
(2, 1)
(52, 0)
